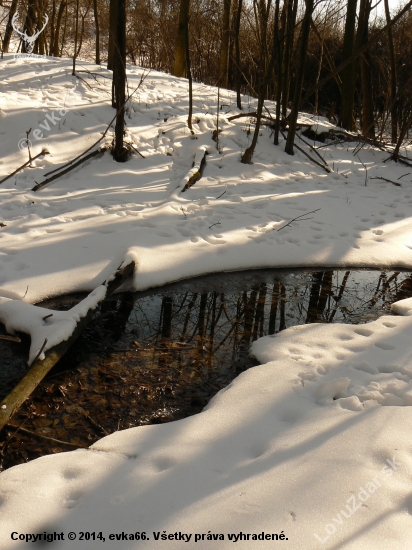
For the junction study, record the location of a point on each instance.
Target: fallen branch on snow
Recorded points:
(298, 219)
(386, 179)
(98, 153)
(42, 153)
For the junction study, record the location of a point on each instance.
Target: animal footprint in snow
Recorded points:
(73, 498)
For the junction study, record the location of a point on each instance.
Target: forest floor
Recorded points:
(313, 446)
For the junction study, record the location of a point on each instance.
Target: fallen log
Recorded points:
(198, 174)
(40, 367)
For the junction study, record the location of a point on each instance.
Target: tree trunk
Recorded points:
(291, 20)
(64, 29)
(368, 127)
(279, 39)
(112, 33)
(237, 53)
(393, 95)
(75, 37)
(180, 65)
(53, 28)
(189, 76)
(348, 75)
(29, 23)
(119, 80)
(9, 28)
(224, 49)
(41, 41)
(56, 50)
(96, 23)
(299, 77)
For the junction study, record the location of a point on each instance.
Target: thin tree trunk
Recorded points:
(180, 65)
(393, 96)
(318, 76)
(291, 20)
(9, 27)
(75, 38)
(278, 39)
(368, 128)
(405, 126)
(29, 23)
(348, 75)
(64, 29)
(189, 76)
(41, 41)
(97, 26)
(113, 9)
(56, 50)
(299, 77)
(52, 28)
(237, 53)
(224, 49)
(119, 80)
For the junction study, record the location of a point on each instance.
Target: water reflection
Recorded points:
(160, 355)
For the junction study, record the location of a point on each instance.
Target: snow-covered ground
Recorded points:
(313, 446)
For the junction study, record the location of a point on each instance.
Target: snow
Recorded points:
(314, 442)
(46, 327)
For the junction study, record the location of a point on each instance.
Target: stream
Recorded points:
(160, 355)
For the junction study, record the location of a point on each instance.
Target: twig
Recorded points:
(10, 338)
(366, 170)
(251, 114)
(27, 289)
(336, 142)
(41, 436)
(40, 351)
(138, 152)
(297, 219)
(404, 175)
(47, 316)
(28, 145)
(183, 210)
(84, 412)
(213, 224)
(220, 195)
(43, 152)
(386, 179)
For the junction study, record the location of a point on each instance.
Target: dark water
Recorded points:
(160, 355)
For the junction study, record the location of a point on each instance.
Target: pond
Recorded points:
(160, 355)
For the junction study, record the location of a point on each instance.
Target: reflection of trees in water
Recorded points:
(162, 357)
(223, 325)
